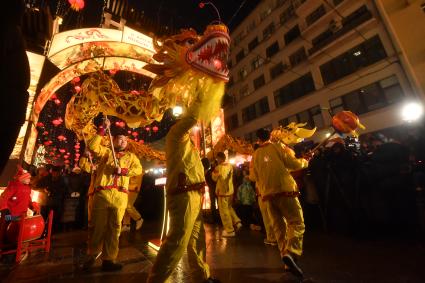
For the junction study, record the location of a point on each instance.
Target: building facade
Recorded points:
(301, 60)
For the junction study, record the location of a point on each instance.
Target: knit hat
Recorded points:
(22, 175)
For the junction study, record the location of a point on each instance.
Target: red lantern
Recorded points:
(77, 88)
(112, 72)
(53, 97)
(77, 146)
(129, 132)
(76, 80)
(45, 133)
(46, 143)
(33, 229)
(61, 138)
(147, 129)
(66, 161)
(77, 155)
(62, 150)
(66, 156)
(142, 141)
(57, 122)
(122, 124)
(134, 134)
(155, 129)
(57, 101)
(40, 124)
(201, 5)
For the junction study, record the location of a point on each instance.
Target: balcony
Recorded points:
(348, 24)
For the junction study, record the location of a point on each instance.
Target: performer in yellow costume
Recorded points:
(86, 164)
(223, 175)
(272, 163)
(110, 198)
(131, 212)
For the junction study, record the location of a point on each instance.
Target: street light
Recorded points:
(411, 112)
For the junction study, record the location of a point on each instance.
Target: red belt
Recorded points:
(293, 194)
(187, 188)
(102, 188)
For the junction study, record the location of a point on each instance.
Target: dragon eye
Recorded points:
(190, 41)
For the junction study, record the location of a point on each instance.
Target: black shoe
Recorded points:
(289, 261)
(88, 263)
(212, 280)
(109, 265)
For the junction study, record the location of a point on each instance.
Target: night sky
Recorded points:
(173, 14)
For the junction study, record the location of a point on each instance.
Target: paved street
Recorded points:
(328, 258)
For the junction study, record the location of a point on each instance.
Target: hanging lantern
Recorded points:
(147, 129)
(129, 132)
(45, 133)
(112, 72)
(77, 155)
(76, 5)
(77, 88)
(76, 80)
(134, 134)
(141, 141)
(54, 96)
(62, 150)
(61, 138)
(155, 129)
(40, 124)
(66, 162)
(57, 122)
(122, 124)
(57, 101)
(77, 146)
(66, 156)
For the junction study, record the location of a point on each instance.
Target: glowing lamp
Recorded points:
(411, 112)
(148, 129)
(134, 134)
(40, 124)
(155, 129)
(77, 88)
(177, 111)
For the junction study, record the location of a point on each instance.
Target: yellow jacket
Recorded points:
(223, 175)
(184, 166)
(135, 183)
(272, 164)
(105, 177)
(86, 166)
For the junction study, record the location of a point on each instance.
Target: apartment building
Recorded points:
(300, 60)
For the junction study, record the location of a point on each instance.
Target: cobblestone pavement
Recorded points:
(328, 258)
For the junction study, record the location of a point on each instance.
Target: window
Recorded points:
(312, 116)
(259, 82)
(244, 91)
(255, 110)
(240, 56)
(364, 54)
(229, 63)
(298, 56)
(315, 15)
(277, 70)
(272, 49)
(287, 15)
(242, 73)
(232, 122)
(265, 13)
(338, 28)
(295, 89)
(253, 44)
(251, 27)
(257, 62)
(238, 38)
(269, 30)
(292, 34)
(371, 97)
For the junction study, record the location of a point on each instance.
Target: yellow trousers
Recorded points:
(131, 212)
(287, 220)
(186, 233)
(266, 220)
(227, 213)
(107, 210)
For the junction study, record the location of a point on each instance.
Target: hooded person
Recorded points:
(16, 199)
(110, 197)
(223, 175)
(272, 164)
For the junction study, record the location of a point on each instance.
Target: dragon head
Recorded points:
(206, 54)
(292, 133)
